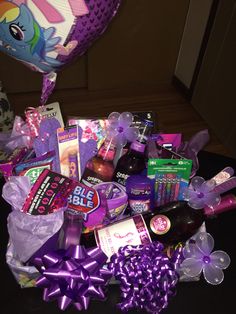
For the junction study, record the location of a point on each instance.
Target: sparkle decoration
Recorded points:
(200, 193)
(73, 276)
(148, 277)
(200, 258)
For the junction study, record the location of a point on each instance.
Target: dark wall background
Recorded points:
(214, 96)
(140, 47)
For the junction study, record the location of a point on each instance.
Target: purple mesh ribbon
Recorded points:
(73, 276)
(49, 82)
(147, 276)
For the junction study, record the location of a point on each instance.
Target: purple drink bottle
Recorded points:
(134, 161)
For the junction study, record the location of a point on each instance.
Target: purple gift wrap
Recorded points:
(29, 236)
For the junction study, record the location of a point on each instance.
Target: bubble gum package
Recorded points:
(33, 167)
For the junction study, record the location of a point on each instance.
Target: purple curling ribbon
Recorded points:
(147, 276)
(73, 276)
(49, 82)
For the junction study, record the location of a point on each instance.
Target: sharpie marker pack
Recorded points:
(171, 177)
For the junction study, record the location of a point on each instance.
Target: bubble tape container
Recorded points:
(116, 198)
(140, 190)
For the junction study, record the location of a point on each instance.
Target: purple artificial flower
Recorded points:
(200, 258)
(200, 193)
(119, 128)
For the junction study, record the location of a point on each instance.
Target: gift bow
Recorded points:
(148, 277)
(73, 276)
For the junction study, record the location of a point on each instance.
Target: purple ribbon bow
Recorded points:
(73, 276)
(147, 276)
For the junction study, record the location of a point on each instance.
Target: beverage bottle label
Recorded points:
(160, 224)
(132, 231)
(121, 178)
(90, 178)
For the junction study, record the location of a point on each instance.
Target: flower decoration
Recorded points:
(200, 258)
(147, 276)
(200, 193)
(120, 130)
(73, 276)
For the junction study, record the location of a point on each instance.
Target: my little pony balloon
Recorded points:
(45, 35)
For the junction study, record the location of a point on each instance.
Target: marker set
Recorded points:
(171, 177)
(166, 188)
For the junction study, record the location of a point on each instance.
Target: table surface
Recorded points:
(194, 297)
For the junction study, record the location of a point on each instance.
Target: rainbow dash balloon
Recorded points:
(47, 34)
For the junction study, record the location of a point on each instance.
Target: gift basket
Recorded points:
(122, 206)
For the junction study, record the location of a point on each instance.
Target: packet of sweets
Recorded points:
(49, 193)
(33, 167)
(7, 166)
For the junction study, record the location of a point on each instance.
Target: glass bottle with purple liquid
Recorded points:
(134, 161)
(100, 168)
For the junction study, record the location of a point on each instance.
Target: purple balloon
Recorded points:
(45, 35)
(91, 26)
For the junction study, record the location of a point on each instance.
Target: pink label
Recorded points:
(131, 231)
(160, 224)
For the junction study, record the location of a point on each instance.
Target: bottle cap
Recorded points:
(227, 203)
(138, 181)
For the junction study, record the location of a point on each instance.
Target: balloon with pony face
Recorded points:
(46, 35)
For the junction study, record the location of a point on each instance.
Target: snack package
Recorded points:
(33, 167)
(49, 193)
(116, 199)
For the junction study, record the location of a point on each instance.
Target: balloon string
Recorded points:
(33, 119)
